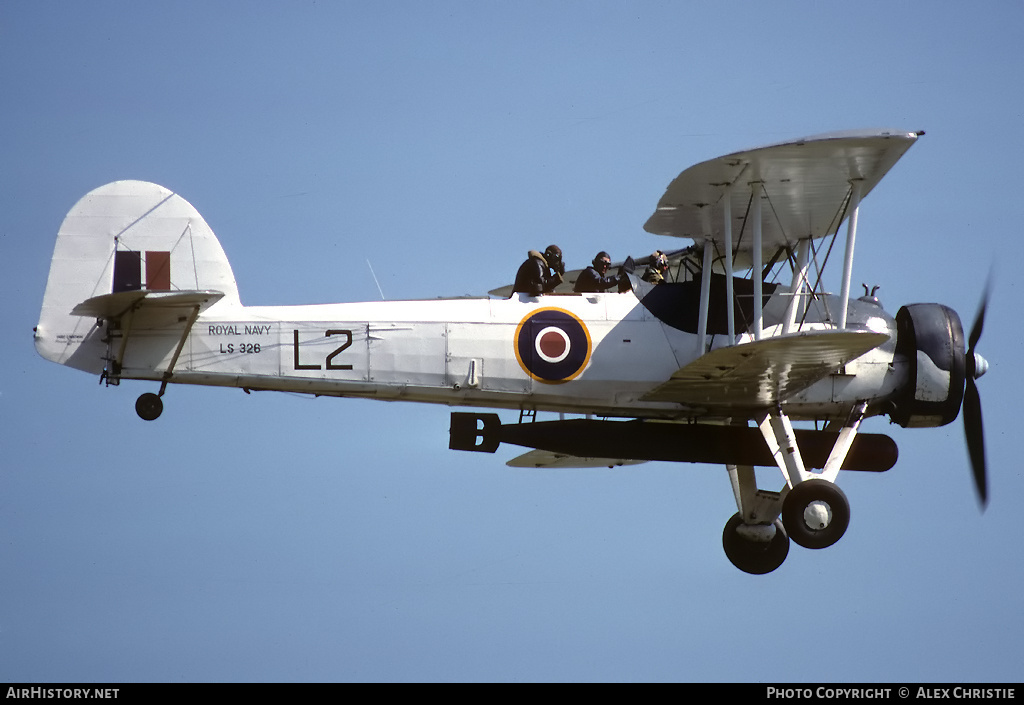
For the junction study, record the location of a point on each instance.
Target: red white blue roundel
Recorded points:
(552, 345)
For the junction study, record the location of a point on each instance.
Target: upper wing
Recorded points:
(805, 185)
(763, 373)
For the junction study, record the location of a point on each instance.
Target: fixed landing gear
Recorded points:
(816, 513)
(149, 406)
(755, 549)
(811, 510)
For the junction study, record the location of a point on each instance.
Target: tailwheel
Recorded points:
(755, 549)
(816, 513)
(149, 406)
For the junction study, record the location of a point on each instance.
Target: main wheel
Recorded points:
(816, 513)
(149, 406)
(754, 557)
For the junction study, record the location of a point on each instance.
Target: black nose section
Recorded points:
(930, 340)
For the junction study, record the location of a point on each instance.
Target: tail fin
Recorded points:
(125, 236)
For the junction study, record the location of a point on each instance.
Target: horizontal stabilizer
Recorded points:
(113, 306)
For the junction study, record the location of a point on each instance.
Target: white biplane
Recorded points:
(139, 288)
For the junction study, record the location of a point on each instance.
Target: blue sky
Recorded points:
(279, 538)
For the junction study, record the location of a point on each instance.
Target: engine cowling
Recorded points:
(930, 339)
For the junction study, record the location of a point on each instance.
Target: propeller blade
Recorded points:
(974, 429)
(975, 433)
(979, 322)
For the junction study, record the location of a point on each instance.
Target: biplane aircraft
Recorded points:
(714, 365)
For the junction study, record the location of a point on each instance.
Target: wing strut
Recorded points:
(705, 298)
(851, 238)
(705, 279)
(730, 295)
(756, 188)
(799, 281)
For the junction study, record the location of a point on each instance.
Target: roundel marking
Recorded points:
(552, 345)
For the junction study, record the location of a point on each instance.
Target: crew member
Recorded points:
(540, 273)
(595, 277)
(657, 268)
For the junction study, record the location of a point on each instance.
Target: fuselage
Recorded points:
(582, 353)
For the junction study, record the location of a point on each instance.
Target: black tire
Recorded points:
(149, 406)
(754, 557)
(800, 497)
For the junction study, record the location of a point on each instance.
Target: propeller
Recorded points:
(973, 427)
